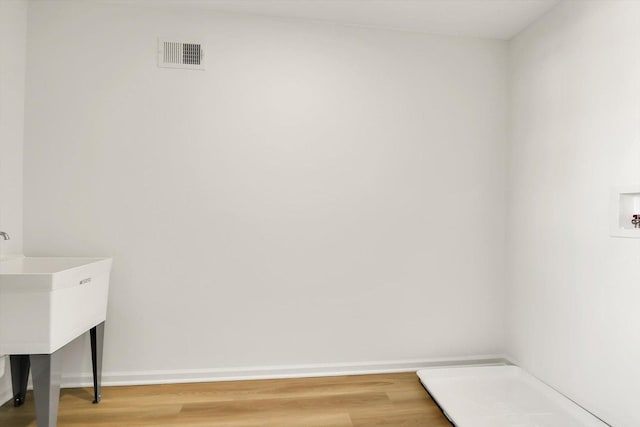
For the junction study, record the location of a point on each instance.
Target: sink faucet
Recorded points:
(4, 235)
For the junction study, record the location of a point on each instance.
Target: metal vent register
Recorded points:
(173, 54)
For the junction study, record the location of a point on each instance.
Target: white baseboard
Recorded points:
(260, 372)
(275, 372)
(5, 381)
(5, 394)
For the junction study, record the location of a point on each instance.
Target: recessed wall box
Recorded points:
(625, 203)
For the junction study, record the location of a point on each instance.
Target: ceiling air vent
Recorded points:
(173, 54)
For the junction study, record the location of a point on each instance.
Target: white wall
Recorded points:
(574, 291)
(320, 194)
(13, 40)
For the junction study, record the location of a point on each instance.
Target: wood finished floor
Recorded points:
(359, 400)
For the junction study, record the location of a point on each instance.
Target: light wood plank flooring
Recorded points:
(360, 400)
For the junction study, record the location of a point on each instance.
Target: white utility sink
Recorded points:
(47, 302)
(44, 304)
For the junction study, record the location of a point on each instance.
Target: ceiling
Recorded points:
(498, 19)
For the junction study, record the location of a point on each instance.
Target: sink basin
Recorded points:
(47, 302)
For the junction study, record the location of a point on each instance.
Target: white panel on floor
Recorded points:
(501, 396)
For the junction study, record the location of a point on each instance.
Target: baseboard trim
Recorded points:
(276, 372)
(6, 393)
(5, 396)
